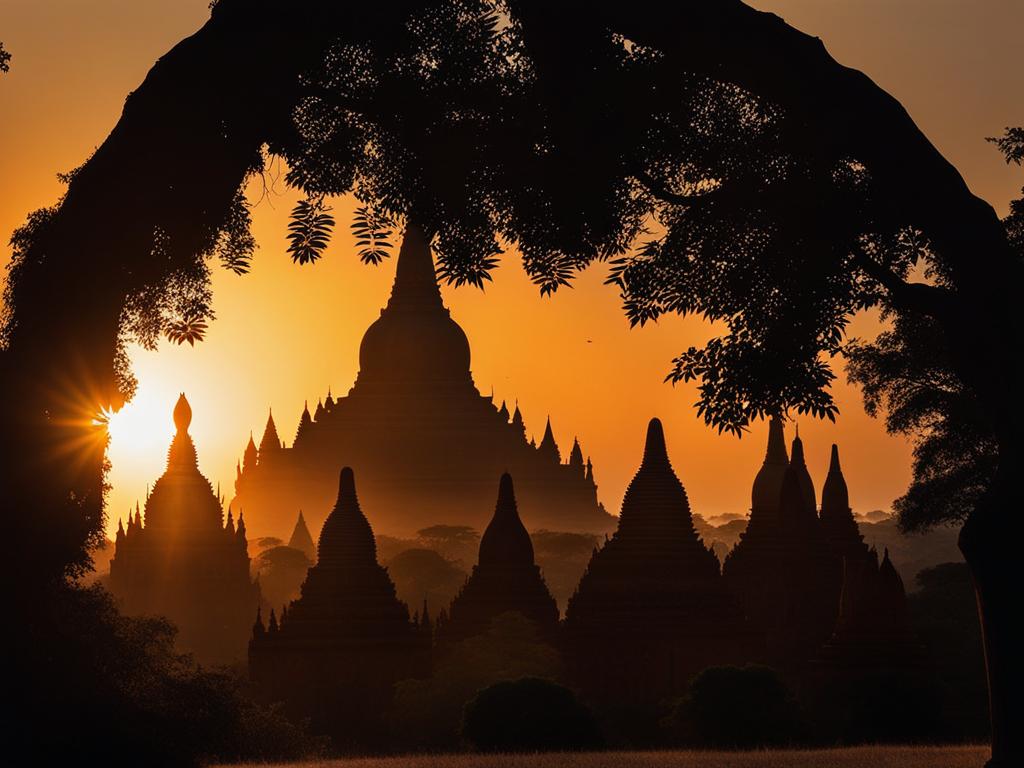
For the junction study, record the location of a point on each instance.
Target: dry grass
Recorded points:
(856, 757)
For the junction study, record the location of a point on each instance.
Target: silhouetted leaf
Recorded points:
(371, 231)
(309, 231)
(188, 329)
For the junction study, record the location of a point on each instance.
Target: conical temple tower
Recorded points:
(184, 562)
(301, 540)
(337, 651)
(651, 609)
(427, 445)
(505, 579)
(780, 569)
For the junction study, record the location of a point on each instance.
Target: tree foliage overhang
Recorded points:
(720, 161)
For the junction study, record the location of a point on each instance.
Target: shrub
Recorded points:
(738, 707)
(529, 715)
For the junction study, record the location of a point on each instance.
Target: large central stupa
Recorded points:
(427, 446)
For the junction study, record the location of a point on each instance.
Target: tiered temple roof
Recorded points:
(336, 651)
(301, 540)
(781, 569)
(651, 609)
(184, 561)
(426, 443)
(505, 579)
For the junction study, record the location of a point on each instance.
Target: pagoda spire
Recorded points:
(305, 421)
(548, 447)
(517, 419)
(506, 543)
(835, 496)
(767, 489)
(415, 286)
(251, 455)
(301, 539)
(590, 470)
(655, 503)
(799, 465)
(346, 537)
(576, 455)
(270, 443)
(182, 453)
(319, 412)
(503, 412)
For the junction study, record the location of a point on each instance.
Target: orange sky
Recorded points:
(285, 333)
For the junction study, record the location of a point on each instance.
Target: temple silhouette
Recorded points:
(505, 579)
(334, 654)
(427, 446)
(182, 560)
(807, 581)
(652, 609)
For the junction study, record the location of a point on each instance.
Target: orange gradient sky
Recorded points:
(285, 333)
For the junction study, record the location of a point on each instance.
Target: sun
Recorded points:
(140, 427)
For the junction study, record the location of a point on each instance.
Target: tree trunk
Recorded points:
(991, 549)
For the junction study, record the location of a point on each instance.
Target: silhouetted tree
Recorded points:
(281, 570)
(425, 575)
(785, 192)
(744, 707)
(5, 59)
(529, 715)
(105, 689)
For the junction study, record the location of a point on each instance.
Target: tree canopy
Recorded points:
(719, 161)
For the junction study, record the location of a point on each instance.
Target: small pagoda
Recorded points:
(505, 579)
(651, 609)
(183, 560)
(334, 654)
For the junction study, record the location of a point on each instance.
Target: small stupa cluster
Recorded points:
(182, 559)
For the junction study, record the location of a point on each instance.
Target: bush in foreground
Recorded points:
(737, 707)
(100, 688)
(529, 715)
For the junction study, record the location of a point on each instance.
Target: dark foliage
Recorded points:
(101, 688)
(309, 230)
(737, 707)
(529, 715)
(944, 614)
(906, 374)
(5, 59)
(1011, 144)
(281, 572)
(425, 576)
(910, 374)
(371, 232)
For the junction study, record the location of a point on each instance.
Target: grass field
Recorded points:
(857, 757)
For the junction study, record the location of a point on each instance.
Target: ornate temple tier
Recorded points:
(426, 444)
(652, 609)
(505, 579)
(183, 561)
(336, 652)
